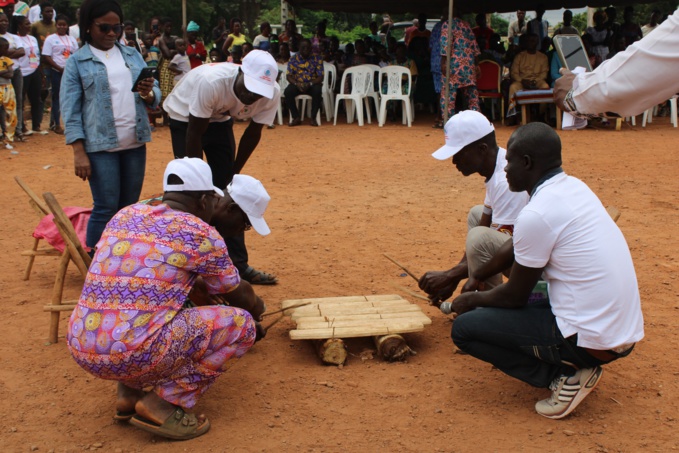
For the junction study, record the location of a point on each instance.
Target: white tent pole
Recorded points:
(448, 53)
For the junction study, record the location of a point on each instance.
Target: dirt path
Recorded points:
(342, 196)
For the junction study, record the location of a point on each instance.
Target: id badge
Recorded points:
(66, 53)
(33, 60)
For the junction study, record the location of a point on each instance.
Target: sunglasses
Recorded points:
(106, 28)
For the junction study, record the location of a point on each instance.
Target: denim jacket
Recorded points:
(86, 100)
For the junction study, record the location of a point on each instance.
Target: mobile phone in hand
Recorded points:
(144, 74)
(571, 52)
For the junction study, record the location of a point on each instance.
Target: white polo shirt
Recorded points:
(506, 205)
(592, 283)
(207, 92)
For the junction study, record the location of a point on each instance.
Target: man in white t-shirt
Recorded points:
(201, 108)
(593, 314)
(470, 141)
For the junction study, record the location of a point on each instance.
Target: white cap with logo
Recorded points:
(260, 70)
(461, 130)
(251, 196)
(195, 174)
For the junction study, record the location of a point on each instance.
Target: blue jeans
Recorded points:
(115, 182)
(524, 343)
(56, 85)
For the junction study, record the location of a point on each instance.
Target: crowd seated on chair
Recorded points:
(305, 77)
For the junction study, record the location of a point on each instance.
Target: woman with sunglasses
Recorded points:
(105, 121)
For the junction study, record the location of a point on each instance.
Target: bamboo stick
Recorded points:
(284, 309)
(401, 266)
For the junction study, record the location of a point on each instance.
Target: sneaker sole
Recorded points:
(590, 384)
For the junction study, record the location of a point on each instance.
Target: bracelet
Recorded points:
(569, 103)
(150, 95)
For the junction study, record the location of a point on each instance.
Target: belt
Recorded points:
(611, 354)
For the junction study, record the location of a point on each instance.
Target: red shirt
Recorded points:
(196, 53)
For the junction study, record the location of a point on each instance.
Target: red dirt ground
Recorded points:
(342, 196)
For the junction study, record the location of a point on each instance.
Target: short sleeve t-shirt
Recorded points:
(261, 42)
(183, 64)
(59, 48)
(207, 92)
(30, 62)
(593, 288)
(505, 204)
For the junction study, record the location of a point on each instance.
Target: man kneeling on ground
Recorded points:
(130, 325)
(593, 314)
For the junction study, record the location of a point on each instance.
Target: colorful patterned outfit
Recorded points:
(461, 59)
(8, 100)
(435, 46)
(128, 325)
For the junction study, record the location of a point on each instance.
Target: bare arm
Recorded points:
(513, 294)
(248, 143)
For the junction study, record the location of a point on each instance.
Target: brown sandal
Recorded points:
(178, 426)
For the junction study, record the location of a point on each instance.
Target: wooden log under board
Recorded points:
(332, 351)
(393, 348)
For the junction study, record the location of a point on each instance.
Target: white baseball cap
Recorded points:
(195, 174)
(461, 130)
(260, 70)
(251, 196)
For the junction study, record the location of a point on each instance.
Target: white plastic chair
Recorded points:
(353, 99)
(648, 114)
(329, 81)
(394, 92)
(372, 92)
(304, 106)
(283, 83)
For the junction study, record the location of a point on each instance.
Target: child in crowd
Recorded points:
(8, 114)
(180, 63)
(153, 52)
(215, 56)
(236, 55)
(246, 48)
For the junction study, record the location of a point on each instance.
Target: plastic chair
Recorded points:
(283, 83)
(41, 210)
(371, 92)
(329, 81)
(394, 92)
(355, 97)
(648, 114)
(488, 86)
(74, 251)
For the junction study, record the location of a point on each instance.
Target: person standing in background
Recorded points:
(57, 49)
(16, 51)
(517, 28)
(194, 47)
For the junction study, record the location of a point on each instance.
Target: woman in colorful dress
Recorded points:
(57, 49)
(435, 46)
(131, 325)
(166, 44)
(461, 57)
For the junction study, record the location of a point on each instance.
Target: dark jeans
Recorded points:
(56, 86)
(315, 92)
(115, 182)
(524, 343)
(219, 146)
(32, 87)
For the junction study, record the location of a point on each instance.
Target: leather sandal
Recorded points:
(255, 277)
(178, 426)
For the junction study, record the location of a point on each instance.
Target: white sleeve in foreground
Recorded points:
(634, 80)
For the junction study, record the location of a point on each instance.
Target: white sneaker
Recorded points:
(29, 132)
(566, 396)
(8, 146)
(42, 132)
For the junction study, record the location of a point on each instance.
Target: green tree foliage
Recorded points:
(499, 24)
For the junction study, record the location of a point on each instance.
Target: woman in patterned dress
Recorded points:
(462, 59)
(130, 324)
(165, 42)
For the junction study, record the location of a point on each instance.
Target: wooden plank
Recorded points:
(408, 316)
(390, 303)
(334, 311)
(356, 323)
(354, 332)
(312, 308)
(382, 297)
(316, 300)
